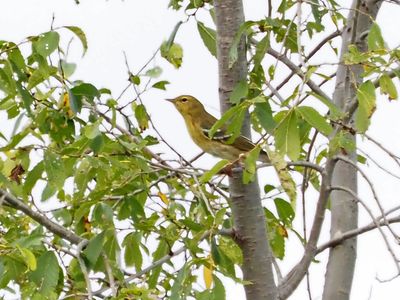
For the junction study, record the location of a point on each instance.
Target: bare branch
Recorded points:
(355, 196)
(376, 163)
(395, 157)
(356, 232)
(311, 54)
(374, 193)
(300, 163)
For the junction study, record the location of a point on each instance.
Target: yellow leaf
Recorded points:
(86, 224)
(287, 182)
(163, 198)
(207, 273)
(29, 258)
(282, 231)
(65, 104)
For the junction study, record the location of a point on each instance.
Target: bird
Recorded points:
(199, 122)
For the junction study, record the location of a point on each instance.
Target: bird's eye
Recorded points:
(184, 100)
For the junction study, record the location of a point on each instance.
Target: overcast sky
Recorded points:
(138, 28)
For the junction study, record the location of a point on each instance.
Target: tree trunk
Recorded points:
(344, 210)
(248, 214)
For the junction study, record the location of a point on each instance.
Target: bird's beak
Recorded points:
(172, 100)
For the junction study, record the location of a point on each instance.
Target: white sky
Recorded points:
(138, 28)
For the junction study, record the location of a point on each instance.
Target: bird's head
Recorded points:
(187, 105)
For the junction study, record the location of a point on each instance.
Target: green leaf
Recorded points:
(161, 85)
(335, 112)
(103, 214)
(285, 211)
(94, 248)
(81, 36)
(97, 144)
(208, 36)
(268, 188)
(233, 50)
(239, 92)
(162, 249)
(214, 170)
(261, 49)
(229, 114)
(27, 98)
(172, 36)
(177, 287)
(6, 83)
(133, 255)
(38, 76)
(15, 140)
(75, 102)
(313, 117)
(250, 168)
(66, 68)
(375, 39)
(47, 274)
(48, 191)
(142, 117)
(343, 142)
(29, 258)
(134, 79)
(111, 246)
(366, 105)
(387, 87)
(264, 115)
(234, 126)
(92, 130)
(222, 260)
(287, 137)
(315, 11)
(218, 292)
(277, 243)
(47, 43)
(154, 72)
(18, 60)
(87, 90)
(33, 176)
(175, 4)
(230, 249)
(285, 178)
(55, 169)
(172, 53)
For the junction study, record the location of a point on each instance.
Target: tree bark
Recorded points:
(344, 210)
(248, 213)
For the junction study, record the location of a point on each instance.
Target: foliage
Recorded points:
(69, 158)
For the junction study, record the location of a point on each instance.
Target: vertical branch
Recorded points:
(248, 213)
(344, 210)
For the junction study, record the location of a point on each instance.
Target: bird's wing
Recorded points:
(243, 143)
(221, 135)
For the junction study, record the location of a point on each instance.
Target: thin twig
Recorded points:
(372, 188)
(84, 270)
(356, 232)
(109, 274)
(311, 84)
(377, 224)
